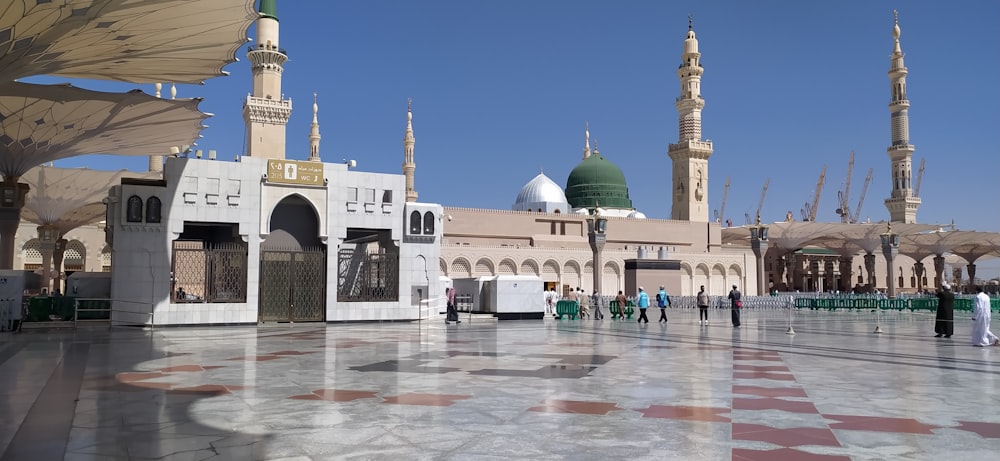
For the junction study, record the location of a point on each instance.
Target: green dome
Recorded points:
(597, 182)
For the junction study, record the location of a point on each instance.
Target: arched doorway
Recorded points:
(293, 265)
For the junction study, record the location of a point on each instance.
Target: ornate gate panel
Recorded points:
(292, 285)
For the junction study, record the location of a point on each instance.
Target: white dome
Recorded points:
(637, 215)
(541, 193)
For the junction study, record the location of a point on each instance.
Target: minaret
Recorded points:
(586, 141)
(690, 155)
(265, 111)
(156, 161)
(902, 204)
(408, 165)
(314, 134)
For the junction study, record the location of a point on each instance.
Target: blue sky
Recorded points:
(502, 89)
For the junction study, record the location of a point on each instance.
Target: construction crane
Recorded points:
(844, 196)
(920, 177)
(720, 214)
(809, 211)
(760, 204)
(861, 201)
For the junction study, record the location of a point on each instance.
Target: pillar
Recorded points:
(870, 269)
(846, 277)
(790, 272)
(57, 264)
(12, 195)
(971, 268)
(938, 271)
(918, 272)
(759, 247)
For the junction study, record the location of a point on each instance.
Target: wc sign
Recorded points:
(293, 172)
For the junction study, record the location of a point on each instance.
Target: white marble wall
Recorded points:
(198, 191)
(226, 192)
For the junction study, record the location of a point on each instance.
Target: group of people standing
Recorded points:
(944, 325)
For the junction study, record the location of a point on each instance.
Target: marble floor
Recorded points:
(526, 390)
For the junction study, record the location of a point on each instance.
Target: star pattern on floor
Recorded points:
(433, 400)
(783, 454)
(985, 430)
(880, 424)
(576, 407)
(686, 413)
(761, 382)
(336, 395)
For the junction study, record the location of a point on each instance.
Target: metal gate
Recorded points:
(293, 285)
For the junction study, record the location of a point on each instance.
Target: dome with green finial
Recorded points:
(596, 181)
(269, 9)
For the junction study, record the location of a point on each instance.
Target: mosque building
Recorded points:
(272, 239)
(266, 238)
(546, 232)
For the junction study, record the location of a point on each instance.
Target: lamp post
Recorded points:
(758, 243)
(597, 227)
(890, 248)
(48, 236)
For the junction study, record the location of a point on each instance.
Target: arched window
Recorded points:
(153, 207)
(428, 223)
(415, 222)
(133, 209)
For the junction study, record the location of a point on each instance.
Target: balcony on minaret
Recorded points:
(267, 110)
(692, 145)
(267, 58)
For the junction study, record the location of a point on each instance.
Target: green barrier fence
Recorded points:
(899, 304)
(568, 308)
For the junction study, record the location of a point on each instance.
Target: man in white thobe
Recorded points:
(981, 334)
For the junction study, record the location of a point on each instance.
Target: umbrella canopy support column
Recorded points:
(12, 195)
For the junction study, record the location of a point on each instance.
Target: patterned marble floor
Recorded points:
(579, 390)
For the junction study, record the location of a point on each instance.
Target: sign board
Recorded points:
(294, 172)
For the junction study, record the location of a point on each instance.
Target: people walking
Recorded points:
(662, 301)
(452, 310)
(702, 306)
(584, 304)
(621, 301)
(643, 305)
(735, 304)
(945, 324)
(981, 334)
(595, 300)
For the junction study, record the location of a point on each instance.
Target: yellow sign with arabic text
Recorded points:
(293, 172)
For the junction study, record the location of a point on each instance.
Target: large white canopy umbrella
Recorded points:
(42, 123)
(62, 199)
(139, 41)
(67, 198)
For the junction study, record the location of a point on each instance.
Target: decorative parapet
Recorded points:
(692, 145)
(263, 110)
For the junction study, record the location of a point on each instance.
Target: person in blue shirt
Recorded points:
(662, 301)
(643, 305)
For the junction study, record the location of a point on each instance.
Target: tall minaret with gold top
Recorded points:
(690, 155)
(902, 203)
(265, 111)
(408, 165)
